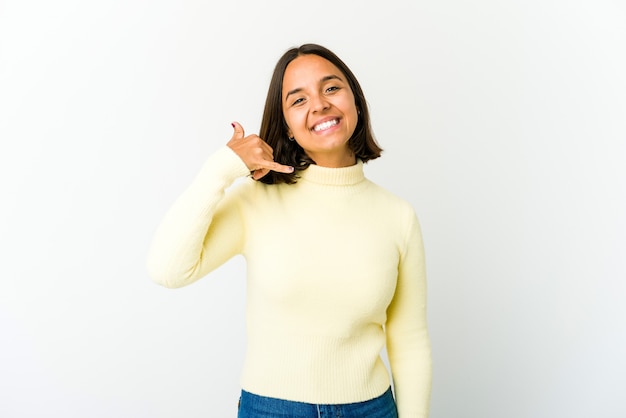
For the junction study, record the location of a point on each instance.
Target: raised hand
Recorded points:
(255, 153)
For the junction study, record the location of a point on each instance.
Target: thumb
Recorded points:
(239, 133)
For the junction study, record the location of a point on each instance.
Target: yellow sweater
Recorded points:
(335, 269)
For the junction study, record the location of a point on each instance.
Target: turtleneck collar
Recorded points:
(342, 176)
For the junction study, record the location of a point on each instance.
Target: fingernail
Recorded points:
(232, 124)
(291, 169)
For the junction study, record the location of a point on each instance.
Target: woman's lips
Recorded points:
(325, 125)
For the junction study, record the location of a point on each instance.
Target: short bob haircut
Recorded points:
(274, 128)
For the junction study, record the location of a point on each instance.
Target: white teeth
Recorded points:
(325, 125)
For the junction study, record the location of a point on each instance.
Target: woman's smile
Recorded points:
(326, 125)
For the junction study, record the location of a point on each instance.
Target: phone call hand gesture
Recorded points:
(255, 153)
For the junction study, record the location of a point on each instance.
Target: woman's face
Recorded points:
(319, 108)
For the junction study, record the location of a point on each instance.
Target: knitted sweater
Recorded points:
(335, 269)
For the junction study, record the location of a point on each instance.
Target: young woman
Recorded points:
(335, 264)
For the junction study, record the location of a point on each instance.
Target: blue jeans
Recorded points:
(255, 406)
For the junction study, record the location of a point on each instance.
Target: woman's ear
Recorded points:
(286, 127)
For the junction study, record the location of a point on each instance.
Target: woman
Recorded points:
(335, 264)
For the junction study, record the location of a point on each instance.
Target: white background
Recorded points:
(503, 123)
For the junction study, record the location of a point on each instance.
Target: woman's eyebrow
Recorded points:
(330, 77)
(322, 80)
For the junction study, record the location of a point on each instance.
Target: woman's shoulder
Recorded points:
(392, 201)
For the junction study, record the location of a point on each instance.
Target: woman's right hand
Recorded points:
(255, 153)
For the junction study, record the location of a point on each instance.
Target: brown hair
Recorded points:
(274, 128)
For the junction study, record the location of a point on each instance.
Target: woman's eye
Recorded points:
(331, 89)
(297, 101)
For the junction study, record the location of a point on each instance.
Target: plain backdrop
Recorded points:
(503, 123)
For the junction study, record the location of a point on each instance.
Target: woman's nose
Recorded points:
(319, 103)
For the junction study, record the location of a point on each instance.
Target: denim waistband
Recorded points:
(256, 406)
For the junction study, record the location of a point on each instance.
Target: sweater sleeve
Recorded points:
(408, 343)
(203, 228)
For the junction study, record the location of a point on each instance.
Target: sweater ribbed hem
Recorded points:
(316, 369)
